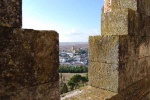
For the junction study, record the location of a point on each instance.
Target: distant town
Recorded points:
(73, 54)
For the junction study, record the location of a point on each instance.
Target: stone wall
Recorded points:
(137, 91)
(120, 58)
(28, 58)
(11, 13)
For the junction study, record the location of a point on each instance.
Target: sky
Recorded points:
(74, 20)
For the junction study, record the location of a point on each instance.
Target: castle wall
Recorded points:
(120, 58)
(11, 13)
(28, 58)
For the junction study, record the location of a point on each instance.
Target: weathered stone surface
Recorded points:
(124, 51)
(124, 23)
(114, 5)
(133, 71)
(146, 97)
(123, 4)
(136, 91)
(11, 13)
(143, 24)
(104, 76)
(96, 49)
(120, 58)
(47, 91)
(126, 74)
(114, 24)
(113, 49)
(128, 48)
(89, 93)
(144, 7)
(115, 77)
(140, 5)
(107, 6)
(127, 22)
(27, 58)
(144, 47)
(104, 49)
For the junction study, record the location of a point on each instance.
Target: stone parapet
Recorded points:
(46, 91)
(127, 21)
(144, 47)
(123, 4)
(124, 23)
(136, 91)
(118, 61)
(104, 76)
(143, 24)
(113, 5)
(113, 49)
(11, 13)
(143, 7)
(28, 61)
(104, 49)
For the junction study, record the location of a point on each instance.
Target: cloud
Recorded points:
(66, 34)
(78, 35)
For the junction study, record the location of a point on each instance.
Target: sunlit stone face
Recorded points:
(107, 6)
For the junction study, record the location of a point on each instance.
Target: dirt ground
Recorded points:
(66, 76)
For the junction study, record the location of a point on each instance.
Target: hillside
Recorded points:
(68, 45)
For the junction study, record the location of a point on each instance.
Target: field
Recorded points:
(66, 76)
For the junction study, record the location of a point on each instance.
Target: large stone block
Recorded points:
(127, 22)
(112, 49)
(124, 23)
(122, 51)
(133, 71)
(144, 47)
(104, 76)
(146, 97)
(47, 91)
(115, 77)
(27, 58)
(104, 49)
(113, 5)
(143, 24)
(143, 7)
(123, 4)
(138, 91)
(11, 13)
(128, 48)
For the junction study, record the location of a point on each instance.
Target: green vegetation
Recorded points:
(81, 51)
(64, 88)
(77, 81)
(68, 69)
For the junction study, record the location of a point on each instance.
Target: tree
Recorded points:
(64, 89)
(87, 77)
(73, 69)
(71, 84)
(76, 80)
(81, 51)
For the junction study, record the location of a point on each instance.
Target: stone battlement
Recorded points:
(29, 59)
(119, 60)
(120, 57)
